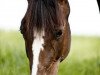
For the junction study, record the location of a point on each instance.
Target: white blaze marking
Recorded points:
(36, 48)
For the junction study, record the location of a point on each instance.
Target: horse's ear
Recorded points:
(98, 1)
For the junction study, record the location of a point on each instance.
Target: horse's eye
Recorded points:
(58, 33)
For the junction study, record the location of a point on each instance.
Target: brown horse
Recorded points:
(46, 32)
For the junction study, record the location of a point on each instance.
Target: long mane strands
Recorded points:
(43, 14)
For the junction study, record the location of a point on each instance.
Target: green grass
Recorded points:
(83, 59)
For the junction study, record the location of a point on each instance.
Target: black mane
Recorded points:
(44, 14)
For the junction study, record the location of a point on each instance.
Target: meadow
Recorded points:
(83, 59)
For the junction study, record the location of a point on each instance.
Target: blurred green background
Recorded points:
(83, 59)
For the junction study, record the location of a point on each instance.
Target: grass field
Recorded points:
(83, 59)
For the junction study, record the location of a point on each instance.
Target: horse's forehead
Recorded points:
(39, 35)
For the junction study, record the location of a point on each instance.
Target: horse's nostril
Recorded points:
(58, 33)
